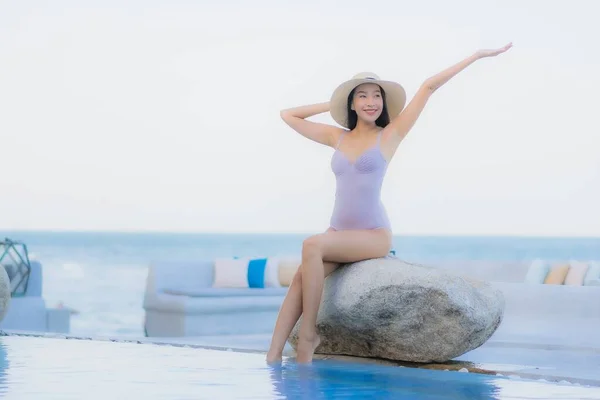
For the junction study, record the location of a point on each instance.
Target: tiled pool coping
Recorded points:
(567, 374)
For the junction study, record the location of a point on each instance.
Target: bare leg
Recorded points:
(336, 246)
(312, 288)
(290, 312)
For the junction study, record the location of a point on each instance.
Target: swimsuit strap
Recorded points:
(379, 137)
(340, 140)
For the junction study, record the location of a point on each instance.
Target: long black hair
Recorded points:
(382, 121)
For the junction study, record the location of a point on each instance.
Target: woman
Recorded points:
(372, 112)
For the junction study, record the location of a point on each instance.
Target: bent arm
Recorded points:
(403, 123)
(315, 131)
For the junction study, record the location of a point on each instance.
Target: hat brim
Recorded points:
(395, 98)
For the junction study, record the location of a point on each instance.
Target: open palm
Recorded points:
(493, 52)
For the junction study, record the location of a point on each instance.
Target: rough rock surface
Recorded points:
(4, 292)
(391, 309)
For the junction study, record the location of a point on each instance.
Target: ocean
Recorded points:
(102, 274)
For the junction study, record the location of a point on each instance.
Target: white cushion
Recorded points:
(593, 274)
(231, 273)
(537, 271)
(272, 273)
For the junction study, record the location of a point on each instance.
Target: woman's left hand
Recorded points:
(492, 52)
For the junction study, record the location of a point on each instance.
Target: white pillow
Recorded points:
(231, 273)
(593, 274)
(537, 271)
(272, 273)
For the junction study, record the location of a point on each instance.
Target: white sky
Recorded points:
(148, 115)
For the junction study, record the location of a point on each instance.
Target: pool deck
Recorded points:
(513, 356)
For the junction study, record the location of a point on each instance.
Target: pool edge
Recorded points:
(451, 366)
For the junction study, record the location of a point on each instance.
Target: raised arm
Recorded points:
(402, 124)
(315, 131)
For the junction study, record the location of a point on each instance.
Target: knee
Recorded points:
(297, 279)
(311, 247)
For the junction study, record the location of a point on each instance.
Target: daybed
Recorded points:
(220, 297)
(209, 298)
(28, 312)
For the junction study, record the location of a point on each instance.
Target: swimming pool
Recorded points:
(49, 369)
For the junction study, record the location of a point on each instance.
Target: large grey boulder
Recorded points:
(4, 292)
(387, 308)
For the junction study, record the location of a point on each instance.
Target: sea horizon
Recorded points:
(102, 273)
(5, 232)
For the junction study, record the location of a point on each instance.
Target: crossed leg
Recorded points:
(290, 312)
(321, 255)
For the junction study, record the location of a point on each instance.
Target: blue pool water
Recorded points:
(52, 369)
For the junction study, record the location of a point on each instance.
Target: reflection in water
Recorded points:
(327, 379)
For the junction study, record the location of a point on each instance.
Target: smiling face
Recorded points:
(368, 102)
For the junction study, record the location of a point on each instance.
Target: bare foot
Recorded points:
(306, 349)
(273, 357)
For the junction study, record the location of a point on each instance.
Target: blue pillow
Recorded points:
(256, 273)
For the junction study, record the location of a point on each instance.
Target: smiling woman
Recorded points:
(370, 110)
(374, 123)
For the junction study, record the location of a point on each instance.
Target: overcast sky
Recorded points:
(148, 115)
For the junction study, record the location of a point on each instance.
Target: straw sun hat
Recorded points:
(395, 96)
